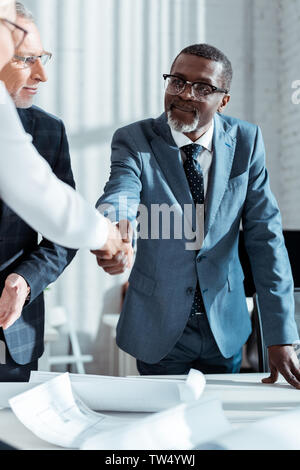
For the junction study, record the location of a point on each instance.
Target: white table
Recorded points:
(245, 399)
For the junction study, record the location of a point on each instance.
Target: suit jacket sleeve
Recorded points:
(269, 260)
(121, 197)
(45, 264)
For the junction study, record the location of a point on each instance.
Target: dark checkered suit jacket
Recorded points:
(40, 264)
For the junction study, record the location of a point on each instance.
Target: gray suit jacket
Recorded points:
(147, 169)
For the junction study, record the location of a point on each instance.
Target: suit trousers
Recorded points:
(11, 371)
(196, 349)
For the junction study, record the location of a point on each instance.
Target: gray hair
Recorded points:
(23, 12)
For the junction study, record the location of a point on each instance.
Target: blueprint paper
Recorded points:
(54, 413)
(275, 433)
(180, 428)
(138, 394)
(193, 386)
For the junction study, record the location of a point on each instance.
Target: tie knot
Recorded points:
(192, 150)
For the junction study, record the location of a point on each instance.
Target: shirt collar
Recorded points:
(206, 140)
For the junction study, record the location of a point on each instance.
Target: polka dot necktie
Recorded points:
(195, 179)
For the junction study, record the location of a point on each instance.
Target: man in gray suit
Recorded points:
(186, 304)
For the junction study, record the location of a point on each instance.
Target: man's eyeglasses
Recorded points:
(200, 91)
(13, 27)
(30, 61)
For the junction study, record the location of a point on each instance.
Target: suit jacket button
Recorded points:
(190, 291)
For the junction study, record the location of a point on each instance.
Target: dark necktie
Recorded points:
(195, 179)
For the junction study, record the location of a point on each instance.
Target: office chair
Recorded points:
(61, 321)
(256, 340)
(255, 351)
(262, 350)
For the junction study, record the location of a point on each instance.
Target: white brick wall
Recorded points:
(265, 84)
(226, 31)
(247, 33)
(262, 37)
(289, 117)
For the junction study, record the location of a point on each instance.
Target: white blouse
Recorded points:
(30, 188)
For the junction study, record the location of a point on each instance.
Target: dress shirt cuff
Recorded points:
(101, 233)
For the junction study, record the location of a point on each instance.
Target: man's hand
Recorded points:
(113, 245)
(121, 258)
(12, 300)
(283, 360)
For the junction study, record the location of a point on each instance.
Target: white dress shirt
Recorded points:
(30, 188)
(206, 156)
(205, 160)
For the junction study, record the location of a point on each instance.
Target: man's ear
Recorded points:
(224, 103)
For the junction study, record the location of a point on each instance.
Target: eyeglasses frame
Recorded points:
(186, 82)
(23, 59)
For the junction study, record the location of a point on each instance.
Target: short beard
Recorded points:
(21, 103)
(181, 126)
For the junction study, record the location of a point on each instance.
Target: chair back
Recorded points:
(256, 340)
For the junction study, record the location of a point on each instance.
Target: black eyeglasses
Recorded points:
(175, 86)
(15, 27)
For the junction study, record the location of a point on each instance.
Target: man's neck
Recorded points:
(194, 136)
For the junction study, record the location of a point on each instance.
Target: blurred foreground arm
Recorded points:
(29, 187)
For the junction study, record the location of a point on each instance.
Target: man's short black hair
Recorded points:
(211, 53)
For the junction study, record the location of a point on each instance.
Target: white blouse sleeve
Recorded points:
(30, 188)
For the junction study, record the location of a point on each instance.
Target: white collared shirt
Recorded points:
(206, 156)
(205, 160)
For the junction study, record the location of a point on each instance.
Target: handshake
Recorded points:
(117, 254)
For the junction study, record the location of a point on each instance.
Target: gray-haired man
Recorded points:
(26, 267)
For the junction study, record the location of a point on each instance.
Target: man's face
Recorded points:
(22, 82)
(185, 113)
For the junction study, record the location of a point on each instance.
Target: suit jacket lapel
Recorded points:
(223, 147)
(169, 159)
